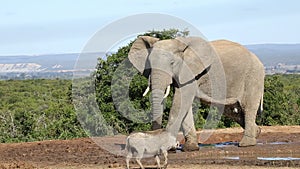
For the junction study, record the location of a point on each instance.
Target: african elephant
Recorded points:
(191, 66)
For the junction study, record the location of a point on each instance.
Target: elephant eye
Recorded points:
(172, 62)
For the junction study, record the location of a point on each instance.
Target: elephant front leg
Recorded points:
(189, 132)
(181, 115)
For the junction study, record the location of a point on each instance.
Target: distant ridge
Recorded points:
(274, 54)
(45, 60)
(287, 56)
(20, 67)
(49, 62)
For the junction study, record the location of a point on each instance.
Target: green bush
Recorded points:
(32, 110)
(281, 100)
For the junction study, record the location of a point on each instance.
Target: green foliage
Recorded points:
(33, 110)
(84, 100)
(281, 100)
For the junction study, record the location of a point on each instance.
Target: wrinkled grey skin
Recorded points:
(235, 81)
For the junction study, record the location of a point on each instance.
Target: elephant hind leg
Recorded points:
(246, 119)
(251, 130)
(236, 113)
(251, 103)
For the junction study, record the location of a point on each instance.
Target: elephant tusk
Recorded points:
(167, 92)
(146, 91)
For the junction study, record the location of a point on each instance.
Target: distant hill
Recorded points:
(47, 66)
(273, 54)
(270, 54)
(46, 62)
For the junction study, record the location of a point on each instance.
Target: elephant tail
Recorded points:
(261, 107)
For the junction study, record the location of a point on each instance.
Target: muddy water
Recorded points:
(266, 156)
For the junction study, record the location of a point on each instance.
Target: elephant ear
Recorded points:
(139, 52)
(198, 56)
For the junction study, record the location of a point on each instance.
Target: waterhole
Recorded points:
(270, 157)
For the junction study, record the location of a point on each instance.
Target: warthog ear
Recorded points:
(139, 51)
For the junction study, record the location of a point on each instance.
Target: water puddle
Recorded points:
(262, 158)
(278, 158)
(228, 144)
(278, 143)
(232, 158)
(266, 158)
(224, 144)
(219, 145)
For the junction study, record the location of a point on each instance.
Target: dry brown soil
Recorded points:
(279, 142)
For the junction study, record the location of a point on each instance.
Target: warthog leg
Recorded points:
(165, 153)
(157, 161)
(138, 160)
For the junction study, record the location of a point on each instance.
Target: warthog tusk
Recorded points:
(146, 91)
(167, 92)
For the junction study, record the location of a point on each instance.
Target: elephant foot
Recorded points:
(190, 147)
(250, 139)
(247, 141)
(191, 144)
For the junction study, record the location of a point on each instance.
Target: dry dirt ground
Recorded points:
(277, 147)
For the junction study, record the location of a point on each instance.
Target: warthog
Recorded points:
(149, 144)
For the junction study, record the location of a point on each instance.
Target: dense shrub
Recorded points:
(40, 109)
(281, 100)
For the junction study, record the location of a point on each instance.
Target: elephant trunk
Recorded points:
(159, 82)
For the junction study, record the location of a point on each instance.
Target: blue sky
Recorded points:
(34, 27)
